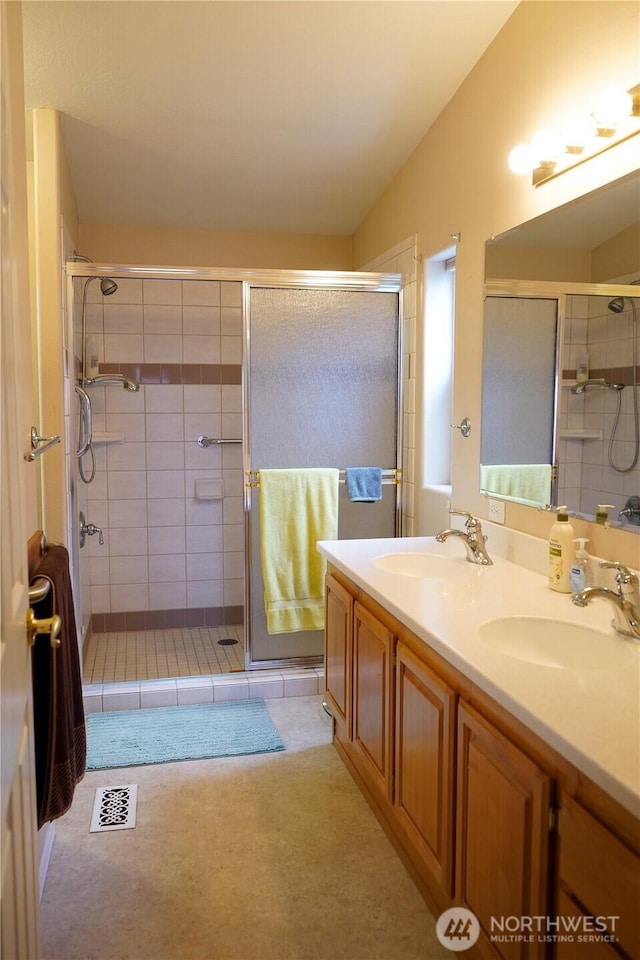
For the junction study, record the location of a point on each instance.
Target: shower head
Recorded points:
(616, 305)
(107, 287)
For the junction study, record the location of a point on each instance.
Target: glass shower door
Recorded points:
(321, 391)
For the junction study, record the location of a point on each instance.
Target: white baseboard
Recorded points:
(46, 838)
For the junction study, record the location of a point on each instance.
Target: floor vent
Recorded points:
(114, 808)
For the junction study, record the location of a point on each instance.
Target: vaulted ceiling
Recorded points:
(276, 116)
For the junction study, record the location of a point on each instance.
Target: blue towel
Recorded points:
(364, 484)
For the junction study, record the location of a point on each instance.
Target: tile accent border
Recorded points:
(177, 373)
(622, 375)
(166, 619)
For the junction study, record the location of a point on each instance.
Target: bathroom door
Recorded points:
(18, 512)
(321, 390)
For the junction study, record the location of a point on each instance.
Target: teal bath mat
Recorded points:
(130, 738)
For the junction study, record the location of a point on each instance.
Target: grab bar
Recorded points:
(86, 420)
(205, 442)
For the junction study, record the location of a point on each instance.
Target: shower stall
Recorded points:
(225, 373)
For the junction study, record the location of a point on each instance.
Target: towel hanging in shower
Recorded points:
(297, 508)
(364, 484)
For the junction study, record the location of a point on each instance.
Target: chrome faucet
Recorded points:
(471, 536)
(630, 513)
(88, 530)
(625, 600)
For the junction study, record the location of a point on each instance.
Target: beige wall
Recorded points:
(618, 257)
(537, 263)
(214, 248)
(549, 59)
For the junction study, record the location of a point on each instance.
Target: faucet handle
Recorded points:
(624, 577)
(472, 523)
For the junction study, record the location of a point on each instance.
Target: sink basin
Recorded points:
(559, 644)
(425, 565)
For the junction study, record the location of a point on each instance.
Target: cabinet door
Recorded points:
(424, 763)
(338, 651)
(502, 840)
(600, 876)
(574, 946)
(373, 647)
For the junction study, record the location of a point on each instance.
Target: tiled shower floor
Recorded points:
(160, 654)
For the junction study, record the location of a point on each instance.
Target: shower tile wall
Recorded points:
(586, 477)
(169, 559)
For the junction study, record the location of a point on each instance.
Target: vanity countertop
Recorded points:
(590, 715)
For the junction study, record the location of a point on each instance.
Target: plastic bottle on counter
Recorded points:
(561, 552)
(602, 517)
(580, 576)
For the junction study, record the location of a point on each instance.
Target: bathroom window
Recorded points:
(439, 311)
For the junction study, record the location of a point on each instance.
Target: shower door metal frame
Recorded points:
(258, 278)
(317, 280)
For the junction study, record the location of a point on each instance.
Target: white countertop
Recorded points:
(589, 715)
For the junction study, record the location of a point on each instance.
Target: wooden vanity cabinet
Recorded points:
(502, 836)
(466, 792)
(425, 764)
(597, 876)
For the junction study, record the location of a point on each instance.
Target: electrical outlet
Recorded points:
(496, 510)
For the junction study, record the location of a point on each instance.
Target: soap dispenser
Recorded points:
(561, 552)
(580, 576)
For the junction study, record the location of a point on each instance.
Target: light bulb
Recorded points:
(521, 159)
(577, 130)
(547, 145)
(611, 106)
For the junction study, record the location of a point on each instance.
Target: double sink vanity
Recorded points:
(494, 727)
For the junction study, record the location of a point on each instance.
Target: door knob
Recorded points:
(50, 625)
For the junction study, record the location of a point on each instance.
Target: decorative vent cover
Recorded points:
(114, 808)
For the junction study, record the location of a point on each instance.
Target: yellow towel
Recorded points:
(297, 508)
(522, 481)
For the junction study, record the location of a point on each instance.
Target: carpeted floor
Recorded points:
(265, 857)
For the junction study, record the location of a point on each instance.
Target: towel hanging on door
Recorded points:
(59, 728)
(297, 508)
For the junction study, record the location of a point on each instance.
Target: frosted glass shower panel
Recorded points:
(323, 378)
(322, 392)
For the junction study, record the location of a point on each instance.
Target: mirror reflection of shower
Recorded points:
(108, 286)
(617, 306)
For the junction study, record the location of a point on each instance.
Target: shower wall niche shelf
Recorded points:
(99, 437)
(572, 434)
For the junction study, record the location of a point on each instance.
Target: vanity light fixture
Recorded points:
(552, 151)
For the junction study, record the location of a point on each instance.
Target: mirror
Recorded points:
(549, 285)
